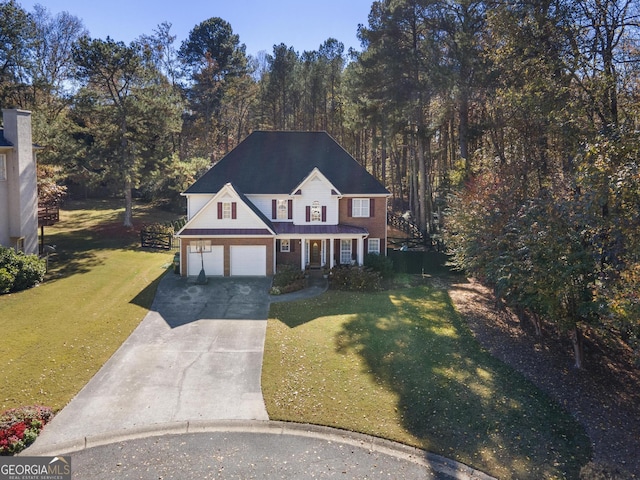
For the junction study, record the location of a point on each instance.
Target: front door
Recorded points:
(315, 256)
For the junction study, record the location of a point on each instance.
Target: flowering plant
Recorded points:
(19, 427)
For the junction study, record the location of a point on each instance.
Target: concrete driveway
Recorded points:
(196, 356)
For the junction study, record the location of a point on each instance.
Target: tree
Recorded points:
(212, 57)
(17, 37)
(162, 53)
(53, 80)
(607, 30)
(282, 89)
(401, 64)
(127, 111)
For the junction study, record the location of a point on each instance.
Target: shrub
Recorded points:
(7, 277)
(19, 271)
(287, 279)
(165, 228)
(31, 270)
(19, 427)
(380, 263)
(358, 279)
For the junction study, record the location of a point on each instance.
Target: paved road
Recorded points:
(271, 450)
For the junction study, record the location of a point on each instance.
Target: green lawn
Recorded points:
(402, 365)
(398, 364)
(100, 285)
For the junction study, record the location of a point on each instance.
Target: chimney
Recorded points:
(22, 184)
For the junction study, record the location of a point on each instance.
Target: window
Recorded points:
(285, 245)
(374, 246)
(283, 210)
(345, 252)
(360, 207)
(3, 166)
(316, 212)
(226, 209)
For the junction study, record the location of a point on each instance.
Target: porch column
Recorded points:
(360, 251)
(331, 253)
(303, 254)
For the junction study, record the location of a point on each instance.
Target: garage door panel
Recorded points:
(213, 262)
(248, 260)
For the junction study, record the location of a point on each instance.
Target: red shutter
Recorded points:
(292, 245)
(349, 207)
(372, 207)
(234, 210)
(324, 213)
(274, 209)
(366, 246)
(354, 249)
(308, 213)
(290, 209)
(219, 210)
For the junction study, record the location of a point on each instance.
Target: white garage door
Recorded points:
(249, 260)
(213, 257)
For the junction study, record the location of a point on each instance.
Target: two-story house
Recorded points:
(18, 183)
(294, 198)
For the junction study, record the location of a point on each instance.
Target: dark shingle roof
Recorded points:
(277, 162)
(3, 141)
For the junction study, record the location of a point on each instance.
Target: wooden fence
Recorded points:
(160, 235)
(156, 240)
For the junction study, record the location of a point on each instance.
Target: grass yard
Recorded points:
(100, 285)
(402, 365)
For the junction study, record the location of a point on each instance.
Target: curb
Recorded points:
(440, 464)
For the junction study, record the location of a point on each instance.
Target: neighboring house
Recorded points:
(18, 183)
(295, 198)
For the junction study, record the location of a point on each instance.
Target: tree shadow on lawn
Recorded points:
(75, 253)
(146, 296)
(456, 398)
(78, 251)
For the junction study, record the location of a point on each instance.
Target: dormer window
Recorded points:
(282, 209)
(3, 166)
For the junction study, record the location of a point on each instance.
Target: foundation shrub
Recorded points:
(355, 279)
(19, 271)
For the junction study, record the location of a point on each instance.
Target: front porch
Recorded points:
(318, 246)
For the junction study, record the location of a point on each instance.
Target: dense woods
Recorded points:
(509, 128)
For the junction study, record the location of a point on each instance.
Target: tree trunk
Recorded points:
(537, 323)
(128, 203)
(128, 173)
(463, 130)
(578, 347)
(422, 185)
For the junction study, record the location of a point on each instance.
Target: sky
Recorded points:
(261, 24)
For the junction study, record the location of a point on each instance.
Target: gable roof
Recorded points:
(277, 162)
(315, 174)
(228, 188)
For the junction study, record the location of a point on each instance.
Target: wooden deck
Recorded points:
(48, 215)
